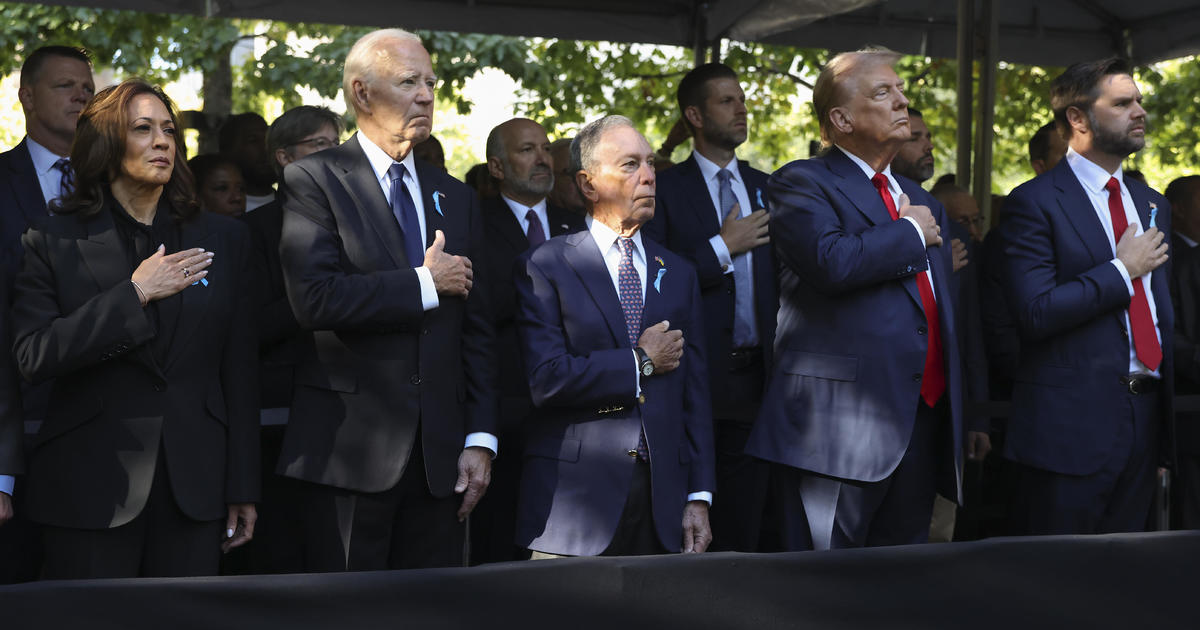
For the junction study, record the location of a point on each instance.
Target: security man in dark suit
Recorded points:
(1184, 195)
(710, 209)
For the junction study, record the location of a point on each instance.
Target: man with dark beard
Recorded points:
(518, 155)
(711, 210)
(1083, 249)
(243, 139)
(915, 159)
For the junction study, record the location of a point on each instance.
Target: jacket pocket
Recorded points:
(67, 411)
(830, 366)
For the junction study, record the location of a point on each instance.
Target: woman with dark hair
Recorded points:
(139, 307)
(219, 184)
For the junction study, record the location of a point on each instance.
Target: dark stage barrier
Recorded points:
(1119, 581)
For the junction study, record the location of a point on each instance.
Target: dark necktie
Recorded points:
(535, 233)
(631, 305)
(1141, 323)
(933, 383)
(66, 183)
(745, 333)
(406, 215)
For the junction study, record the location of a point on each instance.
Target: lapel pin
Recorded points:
(1153, 214)
(437, 202)
(760, 200)
(662, 271)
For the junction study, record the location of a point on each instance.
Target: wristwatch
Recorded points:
(645, 365)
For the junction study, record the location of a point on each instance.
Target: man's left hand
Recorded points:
(6, 508)
(239, 525)
(696, 532)
(474, 475)
(979, 444)
(960, 253)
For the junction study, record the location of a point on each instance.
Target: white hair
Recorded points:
(365, 55)
(583, 147)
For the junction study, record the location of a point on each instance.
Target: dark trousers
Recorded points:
(277, 546)
(636, 534)
(821, 512)
(742, 481)
(404, 527)
(1114, 499)
(493, 522)
(160, 542)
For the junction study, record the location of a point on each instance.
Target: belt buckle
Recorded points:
(1135, 385)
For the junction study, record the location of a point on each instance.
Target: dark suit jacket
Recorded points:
(1068, 300)
(504, 243)
(77, 319)
(1185, 295)
(684, 220)
(1001, 339)
(281, 340)
(850, 348)
(964, 284)
(21, 201)
(583, 379)
(380, 365)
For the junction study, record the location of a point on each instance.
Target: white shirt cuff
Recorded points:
(486, 440)
(722, 252)
(701, 496)
(429, 296)
(1124, 275)
(920, 232)
(6, 484)
(637, 371)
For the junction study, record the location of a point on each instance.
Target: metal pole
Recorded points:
(987, 107)
(966, 59)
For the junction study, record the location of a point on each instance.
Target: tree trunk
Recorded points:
(217, 90)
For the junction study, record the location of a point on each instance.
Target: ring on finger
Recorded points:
(186, 272)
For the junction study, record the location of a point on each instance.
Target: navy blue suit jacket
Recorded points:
(850, 348)
(583, 380)
(1068, 299)
(684, 220)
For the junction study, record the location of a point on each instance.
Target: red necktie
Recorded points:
(1141, 324)
(933, 383)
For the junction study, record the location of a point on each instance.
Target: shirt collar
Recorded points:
(521, 209)
(709, 169)
(43, 158)
(606, 238)
(381, 161)
(870, 172)
(1091, 175)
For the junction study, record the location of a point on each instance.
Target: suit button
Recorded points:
(160, 387)
(425, 331)
(642, 399)
(921, 330)
(632, 452)
(917, 377)
(724, 267)
(415, 379)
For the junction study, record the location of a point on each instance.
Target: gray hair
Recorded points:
(364, 56)
(297, 123)
(583, 147)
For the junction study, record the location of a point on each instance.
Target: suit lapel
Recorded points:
(654, 306)
(501, 218)
(26, 185)
(754, 187)
(1078, 209)
(434, 201)
(700, 200)
(583, 255)
(353, 170)
(562, 221)
(857, 187)
(194, 233)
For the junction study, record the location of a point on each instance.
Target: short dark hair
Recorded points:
(32, 66)
(1079, 86)
(294, 125)
(1177, 190)
(206, 164)
(232, 128)
(693, 89)
(1039, 144)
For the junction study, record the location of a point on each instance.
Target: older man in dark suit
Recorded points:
(1083, 275)
(619, 455)
(710, 209)
(863, 413)
(394, 409)
(520, 218)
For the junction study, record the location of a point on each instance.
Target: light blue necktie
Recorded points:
(745, 330)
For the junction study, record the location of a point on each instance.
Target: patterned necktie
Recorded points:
(406, 215)
(1141, 323)
(745, 329)
(933, 383)
(631, 304)
(536, 234)
(66, 183)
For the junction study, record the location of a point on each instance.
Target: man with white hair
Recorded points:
(394, 409)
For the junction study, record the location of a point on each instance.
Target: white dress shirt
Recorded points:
(519, 211)
(1093, 178)
(380, 163)
(709, 170)
(606, 239)
(895, 192)
(49, 178)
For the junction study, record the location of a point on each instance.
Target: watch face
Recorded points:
(647, 368)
